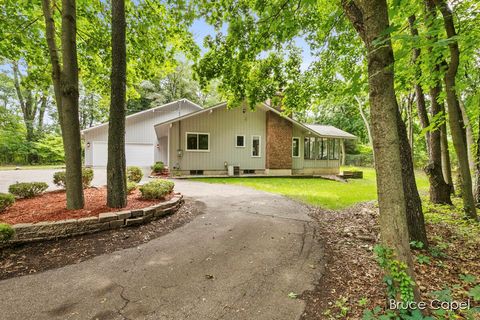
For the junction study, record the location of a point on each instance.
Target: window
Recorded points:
(296, 147)
(240, 141)
(322, 149)
(255, 146)
(198, 141)
(309, 148)
(333, 149)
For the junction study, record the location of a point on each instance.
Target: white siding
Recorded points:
(139, 129)
(223, 125)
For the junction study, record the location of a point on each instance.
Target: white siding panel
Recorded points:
(223, 125)
(135, 154)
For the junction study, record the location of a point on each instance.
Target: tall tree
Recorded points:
(457, 127)
(65, 83)
(116, 171)
(439, 189)
(370, 19)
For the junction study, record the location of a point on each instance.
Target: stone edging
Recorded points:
(47, 230)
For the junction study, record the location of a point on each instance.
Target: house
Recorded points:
(194, 141)
(142, 146)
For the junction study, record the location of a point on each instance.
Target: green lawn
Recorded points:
(32, 167)
(317, 191)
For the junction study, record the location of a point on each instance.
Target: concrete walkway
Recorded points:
(238, 260)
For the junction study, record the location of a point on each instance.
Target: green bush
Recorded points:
(156, 189)
(158, 167)
(6, 232)
(6, 200)
(27, 189)
(134, 174)
(131, 186)
(59, 178)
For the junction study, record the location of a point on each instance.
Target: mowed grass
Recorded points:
(319, 192)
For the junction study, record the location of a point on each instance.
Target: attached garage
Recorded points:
(136, 154)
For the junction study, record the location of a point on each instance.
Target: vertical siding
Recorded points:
(140, 129)
(223, 125)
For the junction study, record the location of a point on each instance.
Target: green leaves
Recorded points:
(475, 293)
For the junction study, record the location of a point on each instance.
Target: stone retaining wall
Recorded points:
(28, 232)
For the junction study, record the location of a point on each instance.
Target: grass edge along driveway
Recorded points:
(317, 191)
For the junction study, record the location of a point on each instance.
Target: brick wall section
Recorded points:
(278, 146)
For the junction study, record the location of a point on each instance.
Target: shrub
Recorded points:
(6, 200)
(134, 174)
(157, 189)
(158, 167)
(27, 189)
(6, 232)
(87, 177)
(131, 186)
(59, 178)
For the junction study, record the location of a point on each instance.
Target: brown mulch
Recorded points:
(352, 280)
(51, 206)
(351, 271)
(41, 256)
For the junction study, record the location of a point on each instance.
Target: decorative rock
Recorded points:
(137, 213)
(123, 215)
(117, 224)
(134, 221)
(107, 216)
(87, 220)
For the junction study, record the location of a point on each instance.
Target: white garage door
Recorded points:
(136, 154)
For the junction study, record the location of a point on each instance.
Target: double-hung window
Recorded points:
(198, 141)
(256, 146)
(240, 141)
(295, 147)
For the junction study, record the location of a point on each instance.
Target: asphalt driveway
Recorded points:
(240, 259)
(8, 177)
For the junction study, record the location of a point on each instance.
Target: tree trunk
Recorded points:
(446, 163)
(419, 95)
(365, 120)
(469, 135)
(439, 189)
(41, 112)
(477, 165)
(66, 94)
(27, 104)
(116, 172)
(457, 128)
(413, 203)
(370, 19)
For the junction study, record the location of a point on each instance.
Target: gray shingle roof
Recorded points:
(330, 131)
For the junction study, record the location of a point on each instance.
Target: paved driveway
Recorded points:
(239, 259)
(9, 177)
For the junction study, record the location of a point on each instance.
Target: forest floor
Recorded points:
(352, 286)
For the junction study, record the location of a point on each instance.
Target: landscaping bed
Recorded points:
(51, 206)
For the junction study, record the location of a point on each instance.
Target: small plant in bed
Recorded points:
(134, 174)
(158, 167)
(6, 232)
(59, 178)
(6, 200)
(131, 186)
(157, 189)
(27, 189)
